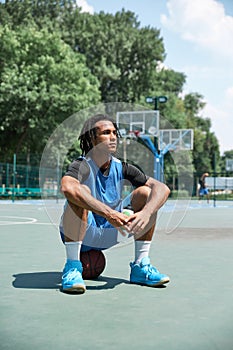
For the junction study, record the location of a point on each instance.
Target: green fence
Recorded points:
(220, 185)
(23, 181)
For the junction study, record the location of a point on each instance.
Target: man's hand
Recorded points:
(139, 223)
(119, 221)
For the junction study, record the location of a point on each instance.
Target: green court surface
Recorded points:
(193, 245)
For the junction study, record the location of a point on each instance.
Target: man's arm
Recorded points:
(142, 220)
(158, 196)
(79, 195)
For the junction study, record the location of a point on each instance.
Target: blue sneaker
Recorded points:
(145, 274)
(72, 281)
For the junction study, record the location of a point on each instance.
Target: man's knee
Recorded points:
(74, 222)
(140, 197)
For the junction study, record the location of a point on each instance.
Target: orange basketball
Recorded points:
(93, 262)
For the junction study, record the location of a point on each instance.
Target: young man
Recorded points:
(203, 190)
(93, 214)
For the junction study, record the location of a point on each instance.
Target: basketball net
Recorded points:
(134, 134)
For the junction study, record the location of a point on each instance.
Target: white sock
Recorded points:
(142, 249)
(73, 250)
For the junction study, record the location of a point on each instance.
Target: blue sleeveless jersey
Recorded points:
(107, 189)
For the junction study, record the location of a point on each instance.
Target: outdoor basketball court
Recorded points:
(193, 311)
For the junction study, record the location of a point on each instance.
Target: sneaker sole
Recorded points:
(76, 289)
(157, 284)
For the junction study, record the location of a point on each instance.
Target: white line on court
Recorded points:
(27, 220)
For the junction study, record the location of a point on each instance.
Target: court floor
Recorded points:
(193, 244)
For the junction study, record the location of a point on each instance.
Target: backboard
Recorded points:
(140, 122)
(229, 164)
(173, 139)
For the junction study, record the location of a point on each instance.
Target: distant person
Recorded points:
(93, 212)
(203, 190)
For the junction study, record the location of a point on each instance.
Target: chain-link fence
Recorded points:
(219, 185)
(24, 181)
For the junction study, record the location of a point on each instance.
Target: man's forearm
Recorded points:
(80, 195)
(158, 196)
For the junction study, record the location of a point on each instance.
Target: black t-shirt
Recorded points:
(80, 170)
(202, 183)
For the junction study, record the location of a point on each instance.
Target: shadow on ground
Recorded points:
(52, 280)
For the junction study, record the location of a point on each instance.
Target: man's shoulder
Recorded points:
(78, 169)
(78, 161)
(116, 160)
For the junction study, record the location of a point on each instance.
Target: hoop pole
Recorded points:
(158, 158)
(14, 178)
(214, 180)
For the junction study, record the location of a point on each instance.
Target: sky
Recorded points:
(198, 42)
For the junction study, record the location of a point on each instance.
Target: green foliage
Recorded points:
(106, 57)
(42, 82)
(206, 153)
(169, 81)
(226, 155)
(180, 194)
(119, 53)
(16, 13)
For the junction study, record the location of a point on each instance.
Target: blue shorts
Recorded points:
(203, 191)
(99, 237)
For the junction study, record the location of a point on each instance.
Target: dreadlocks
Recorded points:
(89, 131)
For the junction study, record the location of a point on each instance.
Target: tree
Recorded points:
(42, 82)
(226, 155)
(119, 53)
(125, 58)
(15, 13)
(206, 153)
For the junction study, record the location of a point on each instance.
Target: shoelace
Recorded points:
(151, 270)
(71, 274)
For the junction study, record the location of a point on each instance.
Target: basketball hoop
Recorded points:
(176, 140)
(133, 134)
(145, 122)
(137, 133)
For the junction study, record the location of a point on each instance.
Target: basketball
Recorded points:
(93, 262)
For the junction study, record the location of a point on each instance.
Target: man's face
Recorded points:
(106, 136)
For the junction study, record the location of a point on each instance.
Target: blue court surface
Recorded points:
(193, 244)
